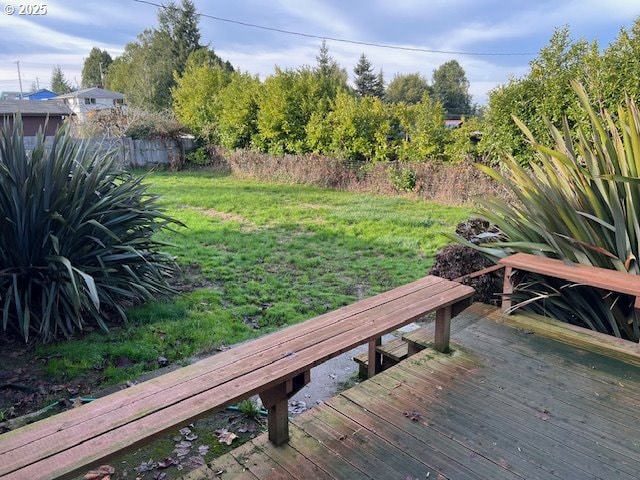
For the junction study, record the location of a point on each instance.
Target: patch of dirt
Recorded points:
(359, 290)
(455, 260)
(26, 394)
(190, 278)
(210, 212)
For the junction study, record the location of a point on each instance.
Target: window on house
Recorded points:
(89, 101)
(118, 101)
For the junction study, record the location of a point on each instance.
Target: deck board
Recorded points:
(507, 404)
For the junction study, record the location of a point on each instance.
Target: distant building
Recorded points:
(453, 124)
(42, 94)
(84, 102)
(35, 115)
(9, 95)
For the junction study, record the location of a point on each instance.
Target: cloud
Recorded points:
(21, 33)
(39, 48)
(318, 16)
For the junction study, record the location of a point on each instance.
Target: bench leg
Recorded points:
(636, 313)
(443, 329)
(276, 401)
(507, 289)
(375, 363)
(412, 348)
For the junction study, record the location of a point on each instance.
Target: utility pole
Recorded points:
(19, 77)
(101, 77)
(37, 83)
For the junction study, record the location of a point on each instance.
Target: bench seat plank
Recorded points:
(603, 278)
(67, 443)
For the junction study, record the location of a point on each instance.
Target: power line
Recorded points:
(344, 40)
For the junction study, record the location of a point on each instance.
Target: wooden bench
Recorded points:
(390, 353)
(602, 278)
(275, 367)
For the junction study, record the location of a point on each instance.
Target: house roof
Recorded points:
(36, 92)
(453, 123)
(93, 92)
(44, 107)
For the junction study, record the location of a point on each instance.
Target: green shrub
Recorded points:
(200, 156)
(403, 179)
(76, 245)
(579, 202)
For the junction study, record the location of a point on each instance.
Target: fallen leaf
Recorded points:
(145, 467)
(103, 472)
(191, 437)
(203, 450)
(182, 449)
(185, 431)
(191, 463)
(225, 436)
(414, 416)
(543, 414)
(166, 463)
(297, 406)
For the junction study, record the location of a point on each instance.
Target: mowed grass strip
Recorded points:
(258, 257)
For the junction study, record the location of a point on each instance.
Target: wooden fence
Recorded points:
(136, 153)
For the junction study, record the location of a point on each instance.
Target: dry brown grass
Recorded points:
(449, 183)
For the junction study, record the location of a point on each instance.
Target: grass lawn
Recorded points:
(258, 257)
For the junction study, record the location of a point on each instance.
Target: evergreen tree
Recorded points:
(379, 86)
(59, 84)
(180, 25)
(367, 83)
(325, 62)
(95, 67)
(147, 70)
(331, 77)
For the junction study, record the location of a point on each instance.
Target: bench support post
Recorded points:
(507, 289)
(443, 329)
(375, 362)
(636, 309)
(276, 401)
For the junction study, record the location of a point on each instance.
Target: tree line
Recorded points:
(544, 95)
(314, 109)
(303, 110)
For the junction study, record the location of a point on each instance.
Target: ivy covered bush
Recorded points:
(76, 238)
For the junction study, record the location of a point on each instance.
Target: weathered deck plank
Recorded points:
(493, 407)
(508, 404)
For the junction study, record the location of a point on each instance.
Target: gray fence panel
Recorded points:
(134, 153)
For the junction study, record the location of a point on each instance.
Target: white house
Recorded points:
(87, 100)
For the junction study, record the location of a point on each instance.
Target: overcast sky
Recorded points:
(68, 31)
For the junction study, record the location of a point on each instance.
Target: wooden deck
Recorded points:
(507, 404)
